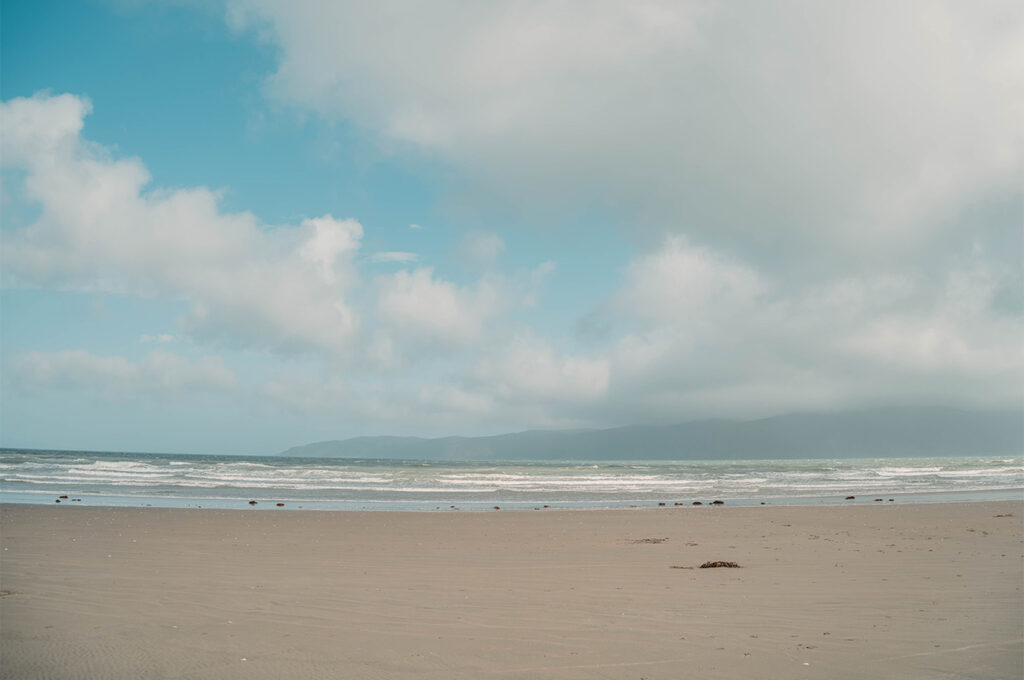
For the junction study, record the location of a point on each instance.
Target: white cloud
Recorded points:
(683, 284)
(99, 229)
(34, 130)
(527, 369)
(798, 127)
(394, 256)
(699, 334)
(331, 241)
(158, 374)
(958, 334)
(421, 308)
(692, 333)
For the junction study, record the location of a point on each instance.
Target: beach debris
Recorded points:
(720, 564)
(891, 500)
(850, 498)
(717, 502)
(252, 502)
(878, 500)
(697, 503)
(1009, 514)
(661, 505)
(280, 505)
(57, 501)
(679, 566)
(649, 540)
(62, 497)
(497, 507)
(763, 503)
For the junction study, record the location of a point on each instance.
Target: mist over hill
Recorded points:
(882, 433)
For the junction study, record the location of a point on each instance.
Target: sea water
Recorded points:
(167, 480)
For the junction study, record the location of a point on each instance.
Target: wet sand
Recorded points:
(887, 591)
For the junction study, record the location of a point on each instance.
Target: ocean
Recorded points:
(168, 480)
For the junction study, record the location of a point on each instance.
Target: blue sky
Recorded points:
(237, 227)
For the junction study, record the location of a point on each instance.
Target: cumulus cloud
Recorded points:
(797, 127)
(959, 333)
(157, 374)
(698, 333)
(331, 240)
(686, 284)
(528, 369)
(422, 308)
(100, 229)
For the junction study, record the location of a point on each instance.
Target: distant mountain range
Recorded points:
(882, 433)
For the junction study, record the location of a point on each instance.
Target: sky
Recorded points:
(235, 227)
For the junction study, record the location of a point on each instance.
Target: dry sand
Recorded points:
(887, 591)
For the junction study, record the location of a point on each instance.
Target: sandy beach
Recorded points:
(886, 591)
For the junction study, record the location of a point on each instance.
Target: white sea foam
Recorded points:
(142, 476)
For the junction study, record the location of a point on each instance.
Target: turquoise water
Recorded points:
(134, 479)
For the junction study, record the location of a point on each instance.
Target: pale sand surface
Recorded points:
(881, 591)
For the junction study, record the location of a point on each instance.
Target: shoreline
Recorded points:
(461, 505)
(875, 590)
